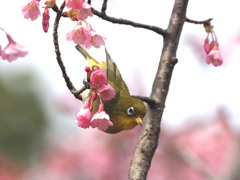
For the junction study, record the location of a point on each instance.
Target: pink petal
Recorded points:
(97, 41)
(106, 92)
(98, 77)
(85, 11)
(84, 116)
(31, 10)
(75, 4)
(101, 120)
(214, 58)
(13, 50)
(79, 35)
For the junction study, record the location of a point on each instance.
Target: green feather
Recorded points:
(114, 76)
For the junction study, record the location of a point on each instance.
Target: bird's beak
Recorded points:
(139, 121)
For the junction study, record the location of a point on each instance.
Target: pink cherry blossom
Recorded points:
(13, 50)
(31, 10)
(98, 77)
(45, 20)
(85, 11)
(212, 50)
(96, 40)
(84, 116)
(75, 4)
(106, 92)
(214, 58)
(79, 35)
(101, 119)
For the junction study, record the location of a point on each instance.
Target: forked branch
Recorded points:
(58, 54)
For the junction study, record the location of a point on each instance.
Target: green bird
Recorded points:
(125, 111)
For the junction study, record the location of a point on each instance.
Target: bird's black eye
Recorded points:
(130, 111)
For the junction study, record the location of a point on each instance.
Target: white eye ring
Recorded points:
(130, 111)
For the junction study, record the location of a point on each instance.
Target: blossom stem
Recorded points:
(198, 22)
(214, 35)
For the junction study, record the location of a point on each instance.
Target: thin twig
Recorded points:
(104, 6)
(198, 22)
(150, 101)
(103, 15)
(58, 54)
(128, 22)
(79, 91)
(55, 9)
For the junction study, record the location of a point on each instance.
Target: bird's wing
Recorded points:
(114, 75)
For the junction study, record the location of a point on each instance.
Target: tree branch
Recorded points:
(148, 140)
(198, 22)
(128, 22)
(104, 6)
(58, 54)
(148, 100)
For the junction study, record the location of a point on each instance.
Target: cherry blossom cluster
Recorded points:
(92, 114)
(83, 32)
(212, 48)
(32, 11)
(13, 50)
(78, 10)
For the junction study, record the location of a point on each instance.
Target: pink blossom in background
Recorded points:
(98, 77)
(65, 102)
(75, 4)
(197, 152)
(13, 50)
(106, 92)
(9, 170)
(31, 10)
(101, 119)
(77, 158)
(45, 20)
(79, 35)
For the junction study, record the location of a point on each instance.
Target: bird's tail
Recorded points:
(91, 61)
